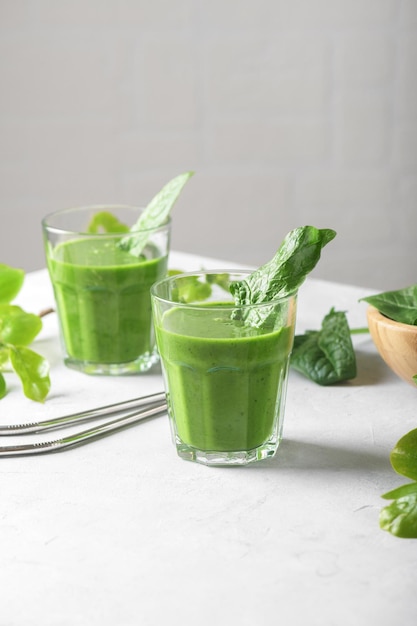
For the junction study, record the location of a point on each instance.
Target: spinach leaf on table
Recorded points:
(399, 305)
(17, 330)
(11, 281)
(400, 516)
(17, 326)
(3, 388)
(33, 371)
(403, 456)
(326, 356)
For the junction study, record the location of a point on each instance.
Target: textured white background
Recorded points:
(290, 111)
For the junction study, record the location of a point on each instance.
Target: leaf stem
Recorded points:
(358, 331)
(46, 311)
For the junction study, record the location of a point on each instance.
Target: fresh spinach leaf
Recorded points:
(33, 371)
(17, 326)
(3, 388)
(399, 305)
(326, 356)
(191, 289)
(106, 222)
(4, 355)
(222, 280)
(175, 272)
(17, 330)
(284, 273)
(400, 492)
(11, 281)
(403, 457)
(155, 214)
(400, 517)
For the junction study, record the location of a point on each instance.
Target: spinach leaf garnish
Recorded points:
(326, 356)
(399, 305)
(400, 517)
(283, 274)
(155, 214)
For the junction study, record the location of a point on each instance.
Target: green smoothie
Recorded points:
(103, 298)
(224, 379)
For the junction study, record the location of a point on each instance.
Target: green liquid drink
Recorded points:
(103, 299)
(227, 377)
(225, 340)
(102, 283)
(225, 380)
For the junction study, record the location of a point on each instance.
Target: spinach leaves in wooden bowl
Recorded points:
(392, 321)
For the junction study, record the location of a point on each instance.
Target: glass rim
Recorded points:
(224, 305)
(103, 207)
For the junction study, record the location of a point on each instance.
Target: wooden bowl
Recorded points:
(396, 343)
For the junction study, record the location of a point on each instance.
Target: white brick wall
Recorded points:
(290, 111)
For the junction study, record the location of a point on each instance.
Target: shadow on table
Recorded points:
(371, 369)
(308, 456)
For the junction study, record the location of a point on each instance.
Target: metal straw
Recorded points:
(156, 402)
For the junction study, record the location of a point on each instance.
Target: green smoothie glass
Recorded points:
(225, 379)
(102, 290)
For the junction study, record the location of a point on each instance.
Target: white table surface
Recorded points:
(122, 532)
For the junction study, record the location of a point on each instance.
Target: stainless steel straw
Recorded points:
(143, 408)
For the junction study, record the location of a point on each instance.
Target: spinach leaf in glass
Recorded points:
(155, 214)
(399, 305)
(189, 289)
(283, 274)
(326, 356)
(104, 221)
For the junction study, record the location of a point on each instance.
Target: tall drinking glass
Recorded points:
(102, 289)
(225, 367)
